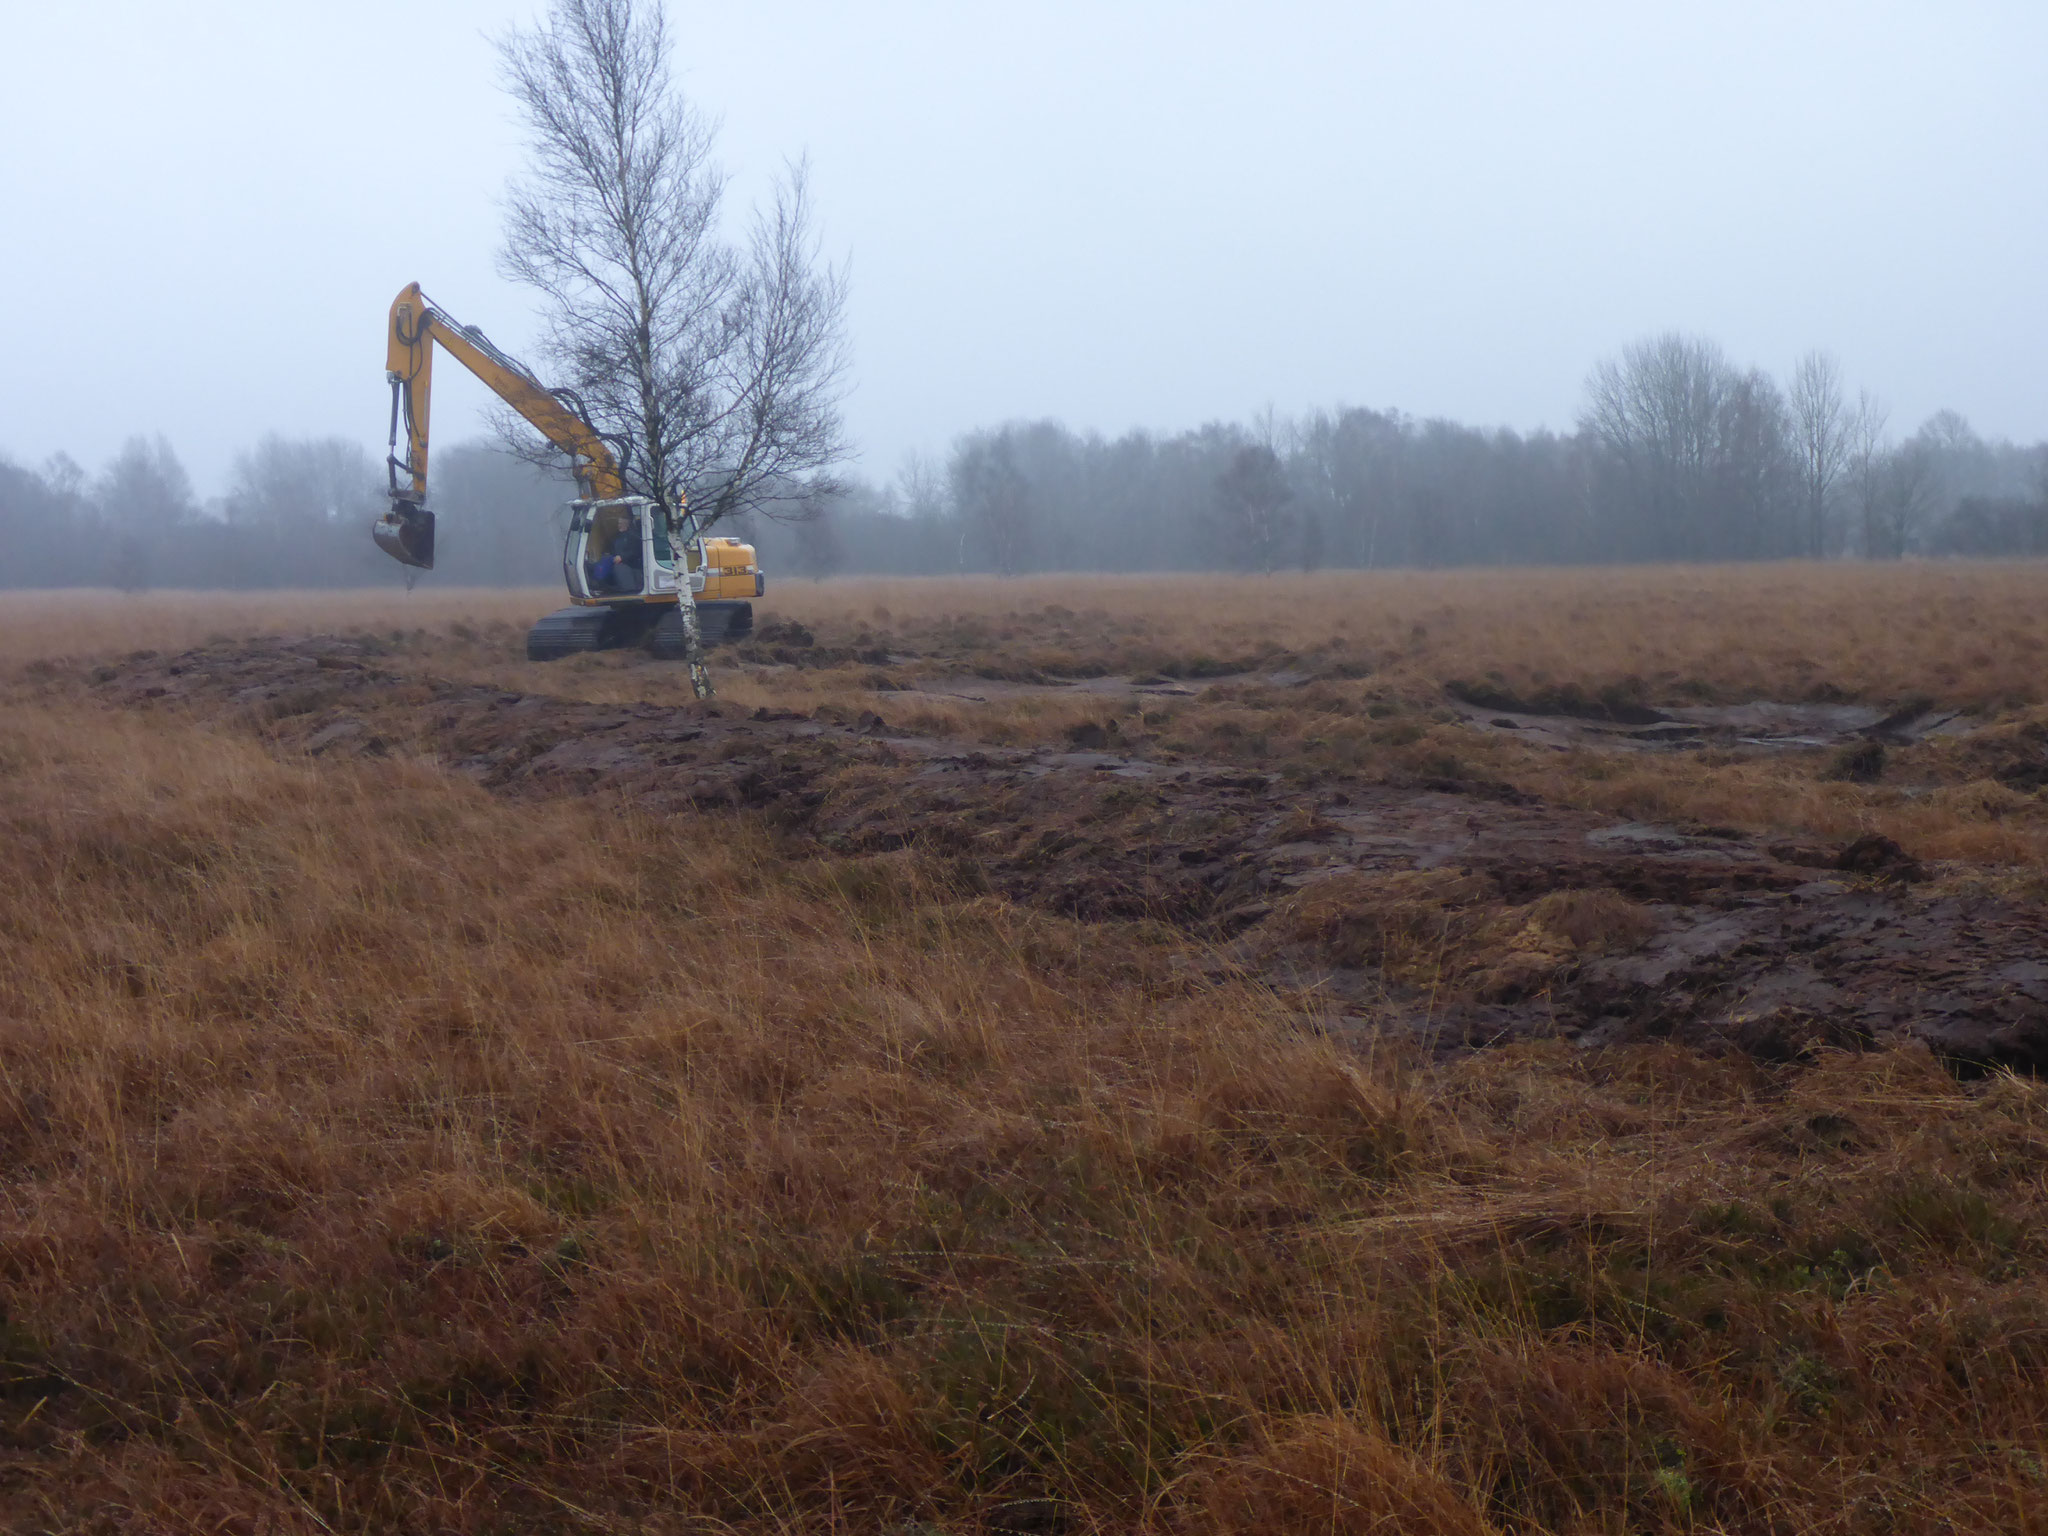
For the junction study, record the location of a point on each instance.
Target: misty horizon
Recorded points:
(1189, 219)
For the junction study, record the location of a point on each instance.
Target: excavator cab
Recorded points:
(623, 549)
(628, 563)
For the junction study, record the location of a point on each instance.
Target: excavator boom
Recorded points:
(406, 532)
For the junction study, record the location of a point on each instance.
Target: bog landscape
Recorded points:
(1105, 781)
(1456, 1052)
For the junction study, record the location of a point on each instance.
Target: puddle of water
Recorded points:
(1763, 725)
(1638, 834)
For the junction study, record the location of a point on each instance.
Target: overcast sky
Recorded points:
(1114, 213)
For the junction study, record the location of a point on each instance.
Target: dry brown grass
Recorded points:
(1442, 930)
(80, 625)
(1969, 634)
(1973, 635)
(382, 1156)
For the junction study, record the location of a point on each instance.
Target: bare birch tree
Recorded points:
(714, 366)
(1908, 493)
(993, 495)
(1658, 409)
(1821, 438)
(1868, 425)
(921, 487)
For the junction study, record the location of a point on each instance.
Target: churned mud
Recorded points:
(1460, 910)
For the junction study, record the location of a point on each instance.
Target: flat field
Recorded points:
(1465, 1053)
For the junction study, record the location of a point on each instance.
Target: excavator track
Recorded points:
(568, 631)
(725, 621)
(719, 622)
(571, 631)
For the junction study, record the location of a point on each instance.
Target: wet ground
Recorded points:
(1762, 725)
(1462, 911)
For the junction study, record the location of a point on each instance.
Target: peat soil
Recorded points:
(1732, 942)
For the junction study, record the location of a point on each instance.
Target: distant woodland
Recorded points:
(1678, 454)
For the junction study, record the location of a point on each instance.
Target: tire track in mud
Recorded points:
(1324, 888)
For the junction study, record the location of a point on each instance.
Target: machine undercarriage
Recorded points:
(657, 627)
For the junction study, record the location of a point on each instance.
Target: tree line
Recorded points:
(1677, 454)
(296, 513)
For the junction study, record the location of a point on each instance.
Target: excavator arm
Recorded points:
(406, 531)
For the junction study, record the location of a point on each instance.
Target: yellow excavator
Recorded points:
(631, 563)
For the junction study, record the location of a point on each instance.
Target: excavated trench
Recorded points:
(1462, 912)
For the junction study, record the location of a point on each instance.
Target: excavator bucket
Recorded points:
(406, 534)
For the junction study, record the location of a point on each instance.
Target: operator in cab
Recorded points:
(618, 569)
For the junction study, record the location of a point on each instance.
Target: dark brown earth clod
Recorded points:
(1880, 858)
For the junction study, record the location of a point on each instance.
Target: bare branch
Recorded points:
(721, 365)
(1821, 430)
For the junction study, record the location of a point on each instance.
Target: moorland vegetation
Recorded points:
(383, 1152)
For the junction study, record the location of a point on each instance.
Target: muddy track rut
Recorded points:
(1732, 943)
